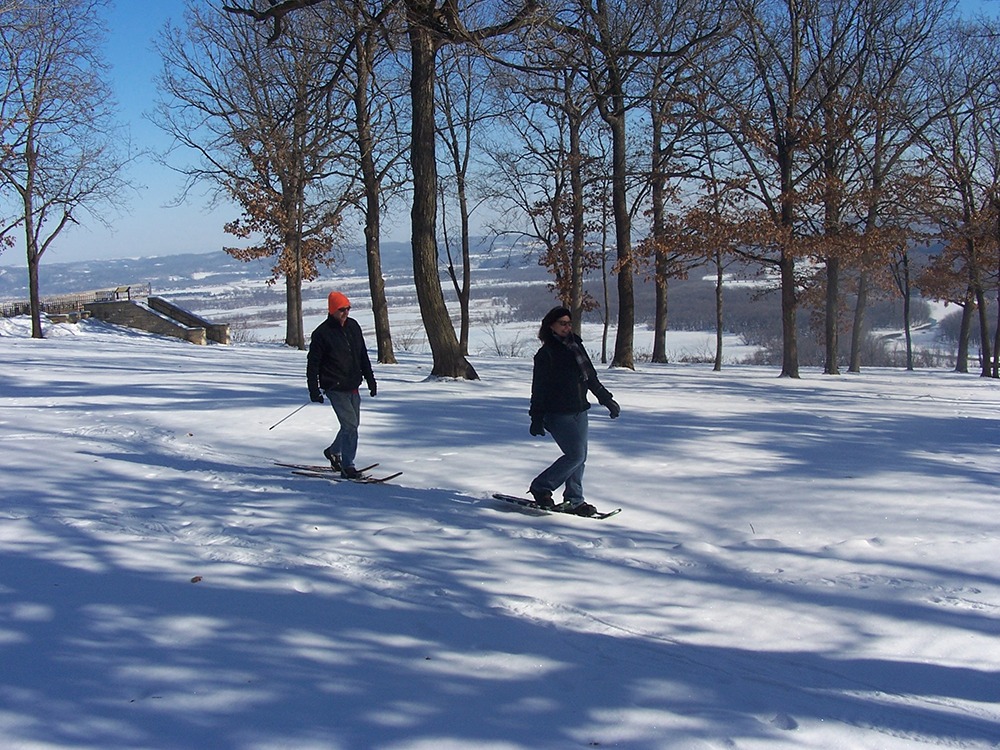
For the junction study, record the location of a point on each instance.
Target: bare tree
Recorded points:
(379, 143)
(586, 66)
(709, 228)
(677, 148)
(613, 42)
(895, 110)
(62, 152)
(463, 111)
(268, 135)
(429, 26)
(842, 35)
(963, 149)
(546, 171)
(771, 105)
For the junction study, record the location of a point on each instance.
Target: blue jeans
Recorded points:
(347, 406)
(570, 433)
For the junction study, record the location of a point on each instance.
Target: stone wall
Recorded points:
(136, 315)
(217, 332)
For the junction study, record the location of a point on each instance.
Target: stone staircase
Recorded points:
(158, 315)
(131, 306)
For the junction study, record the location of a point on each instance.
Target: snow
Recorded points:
(804, 563)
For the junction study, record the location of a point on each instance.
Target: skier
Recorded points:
(562, 375)
(336, 364)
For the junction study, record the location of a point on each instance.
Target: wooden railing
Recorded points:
(64, 304)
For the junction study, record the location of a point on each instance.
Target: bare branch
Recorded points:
(276, 13)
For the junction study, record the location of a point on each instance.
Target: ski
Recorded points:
(327, 472)
(334, 477)
(318, 467)
(560, 508)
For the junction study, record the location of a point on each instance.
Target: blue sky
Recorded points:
(150, 226)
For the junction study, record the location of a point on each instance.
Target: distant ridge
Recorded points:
(159, 272)
(165, 271)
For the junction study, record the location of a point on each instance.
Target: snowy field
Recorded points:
(805, 563)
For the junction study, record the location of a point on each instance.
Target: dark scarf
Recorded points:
(579, 354)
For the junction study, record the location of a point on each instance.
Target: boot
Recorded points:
(333, 458)
(543, 498)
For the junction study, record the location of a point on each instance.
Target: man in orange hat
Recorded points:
(336, 364)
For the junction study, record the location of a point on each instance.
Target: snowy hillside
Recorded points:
(802, 563)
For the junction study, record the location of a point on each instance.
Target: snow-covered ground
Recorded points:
(807, 563)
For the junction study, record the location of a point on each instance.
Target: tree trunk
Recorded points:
(34, 297)
(904, 289)
(832, 323)
(604, 289)
(907, 331)
(719, 320)
(965, 327)
(465, 289)
(457, 141)
(294, 334)
(31, 241)
(579, 221)
(463, 285)
(662, 287)
(858, 324)
(624, 355)
(448, 360)
(373, 211)
(995, 371)
(789, 337)
(786, 266)
(660, 262)
(984, 332)
(979, 297)
(376, 284)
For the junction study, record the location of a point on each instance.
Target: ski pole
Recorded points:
(290, 415)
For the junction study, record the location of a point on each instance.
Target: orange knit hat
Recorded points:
(336, 300)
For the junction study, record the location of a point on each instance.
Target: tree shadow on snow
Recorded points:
(393, 642)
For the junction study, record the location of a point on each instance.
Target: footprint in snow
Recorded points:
(784, 721)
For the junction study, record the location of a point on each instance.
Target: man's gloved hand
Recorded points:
(372, 387)
(613, 408)
(316, 397)
(537, 426)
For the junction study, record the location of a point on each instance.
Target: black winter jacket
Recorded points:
(559, 385)
(338, 359)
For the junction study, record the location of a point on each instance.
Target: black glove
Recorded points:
(613, 408)
(316, 397)
(537, 426)
(372, 387)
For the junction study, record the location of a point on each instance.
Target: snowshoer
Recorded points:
(562, 375)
